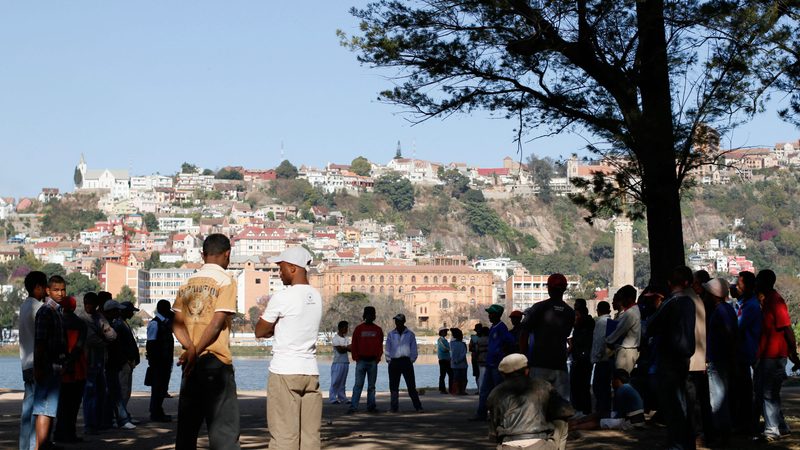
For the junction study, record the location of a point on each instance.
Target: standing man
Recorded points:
(749, 320)
(401, 353)
(367, 349)
(673, 326)
(601, 358)
(516, 321)
(473, 350)
(73, 377)
(501, 343)
(204, 307)
(443, 353)
(721, 356)
(294, 405)
(697, 387)
(625, 338)
(581, 351)
(36, 285)
(50, 353)
(550, 321)
(341, 364)
(131, 349)
(118, 356)
(99, 334)
(160, 349)
(776, 345)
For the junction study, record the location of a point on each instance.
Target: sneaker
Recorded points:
(766, 438)
(335, 402)
(374, 411)
(135, 421)
(128, 426)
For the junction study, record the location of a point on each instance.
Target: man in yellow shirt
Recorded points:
(204, 307)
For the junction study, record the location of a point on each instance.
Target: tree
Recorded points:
(361, 166)
(77, 177)
(150, 221)
(397, 190)
(286, 171)
(79, 284)
(51, 269)
(207, 172)
(126, 295)
(253, 314)
(188, 168)
(605, 67)
(230, 174)
(454, 181)
(71, 214)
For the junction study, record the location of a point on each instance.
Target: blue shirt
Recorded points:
(458, 354)
(749, 318)
(443, 349)
(401, 345)
(721, 334)
(627, 402)
(499, 337)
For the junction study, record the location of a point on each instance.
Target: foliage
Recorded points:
(150, 221)
(566, 260)
(455, 182)
(397, 190)
(349, 306)
(253, 315)
(602, 247)
(10, 303)
(361, 166)
(286, 171)
(125, 295)
(207, 172)
(51, 269)
(77, 177)
(230, 174)
(71, 214)
(188, 168)
(543, 170)
(79, 284)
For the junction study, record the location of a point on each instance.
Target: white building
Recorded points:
(117, 181)
(157, 284)
(178, 224)
(253, 241)
(499, 267)
(150, 182)
(6, 208)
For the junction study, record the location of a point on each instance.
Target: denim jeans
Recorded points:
(491, 379)
(720, 393)
(94, 396)
(558, 378)
(769, 376)
(27, 433)
(367, 369)
(118, 410)
(601, 386)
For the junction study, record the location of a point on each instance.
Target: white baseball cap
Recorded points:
(297, 256)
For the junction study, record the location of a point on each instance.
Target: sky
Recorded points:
(147, 85)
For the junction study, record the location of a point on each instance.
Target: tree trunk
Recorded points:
(654, 138)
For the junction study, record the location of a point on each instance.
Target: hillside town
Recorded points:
(151, 238)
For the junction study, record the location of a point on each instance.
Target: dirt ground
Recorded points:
(443, 425)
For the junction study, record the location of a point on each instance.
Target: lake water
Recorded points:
(251, 374)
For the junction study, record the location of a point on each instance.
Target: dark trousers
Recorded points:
(672, 380)
(745, 418)
(118, 411)
(208, 394)
(601, 386)
(402, 367)
(699, 402)
(69, 403)
(94, 398)
(159, 385)
(445, 370)
(580, 380)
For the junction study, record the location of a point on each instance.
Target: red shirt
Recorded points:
(776, 318)
(367, 342)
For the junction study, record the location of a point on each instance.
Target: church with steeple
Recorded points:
(116, 181)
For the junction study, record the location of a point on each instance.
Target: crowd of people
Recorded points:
(705, 358)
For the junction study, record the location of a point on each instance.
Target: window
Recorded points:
(413, 278)
(425, 279)
(435, 280)
(352, 278)
(258, 280)
(381, 279)
(400, 289)
(463, 280)
(391, 278)
(363, 278)
(352, 288)
(453, 279)
(472, 291)
(444, 304)
(372, 278)
(363, 289)
(401, 280)
(380, 289)
(372, 289)
(391, 290)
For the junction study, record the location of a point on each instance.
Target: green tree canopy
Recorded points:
(126, 295)
(286, 171)
(77, 177)
(71, 214)
(230, 174)
(397, 190)
(51, 269)
(361, 166)
(150, 221)
(188, 168)
(79, 284)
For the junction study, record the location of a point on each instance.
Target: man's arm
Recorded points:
(625, 324)
(390, 347)
(265, 329)
(189, 355)
(413, 348)
(788, 334)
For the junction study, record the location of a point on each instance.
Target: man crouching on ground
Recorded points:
(526, 413)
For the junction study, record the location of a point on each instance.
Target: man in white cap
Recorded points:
(292, 317)
(401, 353)
(721, 355)
(526, 413)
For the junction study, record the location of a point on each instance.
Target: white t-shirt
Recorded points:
(297, 311)
(27, 331)
(339, 341)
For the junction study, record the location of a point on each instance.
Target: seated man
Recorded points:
(526, 413)
(628, 405)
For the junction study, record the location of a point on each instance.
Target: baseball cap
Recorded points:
(513, 363)
(400, 317)
(495, 309)
(112, 304)
(443, 329)
(717, 287)
(128, 305)
(515, 313)
(297, 256)
(557, 280)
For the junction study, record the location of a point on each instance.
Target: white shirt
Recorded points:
(599, 352)
(27, 331)
(296, 313)
(629, 328)
(401, 345)
(340, 341)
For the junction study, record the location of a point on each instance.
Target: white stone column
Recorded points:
(623, 253)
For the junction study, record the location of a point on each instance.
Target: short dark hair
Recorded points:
(103, 297)
(216, 244)
(35, 279)
(627, 294)
(369, 310)
(56, 279)
(580, 301)
(681, 275)
(621, 375)
(603, 307)
(765, 280)
(343, 324)
(749, 279)
(91, 298)
(702, 276)
(163, 306)
(582, 309)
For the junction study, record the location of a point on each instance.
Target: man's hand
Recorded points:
(187, 360)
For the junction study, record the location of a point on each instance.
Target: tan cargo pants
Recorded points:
(294, 412)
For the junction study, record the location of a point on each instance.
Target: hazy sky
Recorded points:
(147, 85)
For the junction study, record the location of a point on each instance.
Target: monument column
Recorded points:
(623, 253)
